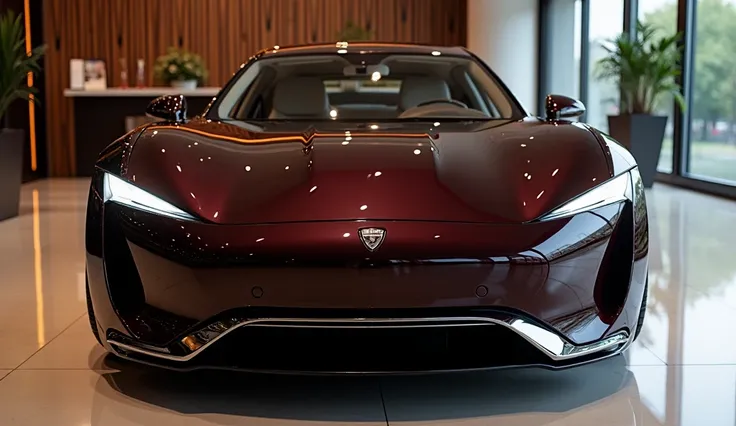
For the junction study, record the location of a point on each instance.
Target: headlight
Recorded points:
(609, 192)
(120, 191)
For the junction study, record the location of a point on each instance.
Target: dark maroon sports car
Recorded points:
(366, 208)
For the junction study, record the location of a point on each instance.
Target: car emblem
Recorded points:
(372, 237)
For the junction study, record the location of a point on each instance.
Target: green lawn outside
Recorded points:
(711, 159)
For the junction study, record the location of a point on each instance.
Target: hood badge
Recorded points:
(372, 238)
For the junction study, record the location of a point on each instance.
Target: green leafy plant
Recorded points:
(353, 32)
(15, 63)
(179, 64)
(645, 68)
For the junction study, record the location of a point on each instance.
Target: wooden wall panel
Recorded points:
(224, 32)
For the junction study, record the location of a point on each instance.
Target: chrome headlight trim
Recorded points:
(119, 191)
(611, 191)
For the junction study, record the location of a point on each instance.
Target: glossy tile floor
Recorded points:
(681, 372)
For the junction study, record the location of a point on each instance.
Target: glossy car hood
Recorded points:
(492, 172)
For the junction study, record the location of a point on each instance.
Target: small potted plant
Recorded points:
(15, 66)
(646, 68)
(352, 32)
(180, 68)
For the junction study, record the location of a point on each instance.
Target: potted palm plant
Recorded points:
(15, 65)
(645, 67)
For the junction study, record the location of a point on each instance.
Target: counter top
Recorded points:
(146, 92)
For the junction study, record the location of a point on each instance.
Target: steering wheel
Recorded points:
(443, 101)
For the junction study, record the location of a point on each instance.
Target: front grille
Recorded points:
(370, 349)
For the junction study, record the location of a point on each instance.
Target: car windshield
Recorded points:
(365, 87)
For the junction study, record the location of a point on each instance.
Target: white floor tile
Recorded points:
(638, 354)
(601, 393)
(605, 393)
(692, 278)
(140, 396)
(688, 395)
(75, 348)
(42, 259)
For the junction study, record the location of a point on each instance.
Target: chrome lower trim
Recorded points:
(552, 344)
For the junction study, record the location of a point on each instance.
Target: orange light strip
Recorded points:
(295, 138)
(31, 105)
(38, 273)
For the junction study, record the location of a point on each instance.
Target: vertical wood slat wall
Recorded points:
(224, 32)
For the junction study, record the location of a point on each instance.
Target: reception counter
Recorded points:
(101, 116)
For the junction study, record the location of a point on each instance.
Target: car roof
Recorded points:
(365, 47)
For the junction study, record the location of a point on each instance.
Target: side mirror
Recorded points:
(558, 106)
(169, 108)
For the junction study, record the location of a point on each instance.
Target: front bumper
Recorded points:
(517, 341)
(555, 295)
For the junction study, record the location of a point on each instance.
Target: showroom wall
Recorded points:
(505, 34)
(224, 32)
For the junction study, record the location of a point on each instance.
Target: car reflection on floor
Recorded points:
(604, 391)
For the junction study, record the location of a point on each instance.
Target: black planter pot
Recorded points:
(642, 135)
(11, 168)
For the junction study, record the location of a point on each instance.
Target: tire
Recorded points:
(642, 311)
(91, 315)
